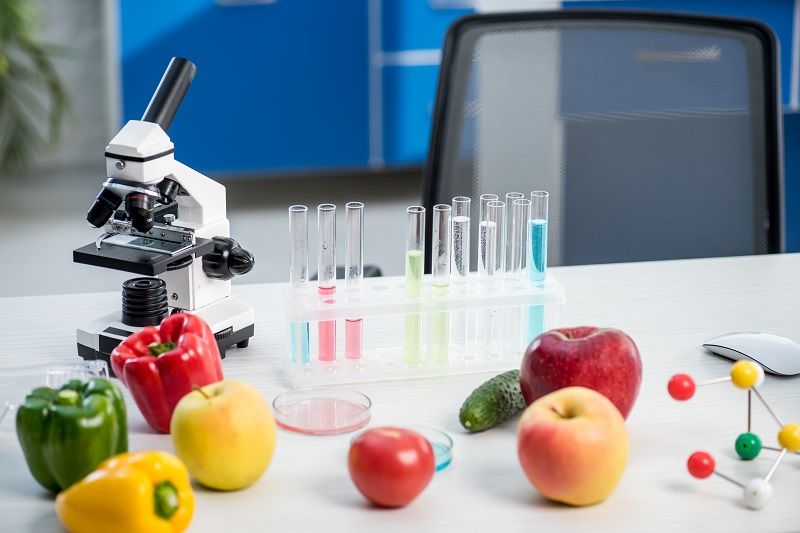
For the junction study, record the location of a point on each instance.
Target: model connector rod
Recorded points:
(170, 92)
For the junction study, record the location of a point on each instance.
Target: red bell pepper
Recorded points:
(159, 365)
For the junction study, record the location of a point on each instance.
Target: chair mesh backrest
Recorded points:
(656, 136)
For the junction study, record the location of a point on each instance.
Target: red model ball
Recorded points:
(700, 465)
(605, 360)
(391, 466)
(681, 387)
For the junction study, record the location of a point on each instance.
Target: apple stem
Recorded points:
(201, 391)
(556, 411)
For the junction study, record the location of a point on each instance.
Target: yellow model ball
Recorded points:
(746, 374)
(789, 437)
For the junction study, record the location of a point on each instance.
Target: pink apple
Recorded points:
(605, 360)
(573, 446)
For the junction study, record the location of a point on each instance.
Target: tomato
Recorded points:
(391, 466)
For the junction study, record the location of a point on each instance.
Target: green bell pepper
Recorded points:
(66, 433)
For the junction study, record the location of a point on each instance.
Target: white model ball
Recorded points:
(757, 493)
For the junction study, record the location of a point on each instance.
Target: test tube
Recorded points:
(508, 230)
(515, 235)
(415, 269)
(489, 230)
(326, 277)
(440, 270)
(538, 234)
(537, 257)
(354, 273)
(514, 329)
(459, 228)
(298, 277)
(488, 237)
(501, 230)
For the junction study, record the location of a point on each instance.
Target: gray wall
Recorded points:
(88, 28)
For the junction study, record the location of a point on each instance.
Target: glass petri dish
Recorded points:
(322, 411)
(16, 383)
(440, 441)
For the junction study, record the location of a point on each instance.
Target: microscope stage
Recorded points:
(136, 260)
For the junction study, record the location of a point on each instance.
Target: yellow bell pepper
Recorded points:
(147, 492)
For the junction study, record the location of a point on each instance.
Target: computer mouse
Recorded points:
(778, 355)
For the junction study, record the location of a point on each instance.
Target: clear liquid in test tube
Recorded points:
(415, 269)
(501, 230)
(354, 273)
(459, 270)
(326, 277)
(537, 257)
(439, 332)
(487, 326)
(298, 277)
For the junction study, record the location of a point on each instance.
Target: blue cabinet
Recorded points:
(280, 86)
(311, 85)
(405, 44)
(408, 96)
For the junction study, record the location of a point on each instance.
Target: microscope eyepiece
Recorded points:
(140, 207)
(103, 208)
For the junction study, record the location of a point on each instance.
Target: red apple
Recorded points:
(602, 359)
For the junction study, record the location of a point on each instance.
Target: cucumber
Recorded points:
(492, 403)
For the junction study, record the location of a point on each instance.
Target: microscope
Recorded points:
(173, 229)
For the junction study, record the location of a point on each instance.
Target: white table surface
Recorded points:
(667, 307)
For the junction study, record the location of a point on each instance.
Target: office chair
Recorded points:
(657, 135)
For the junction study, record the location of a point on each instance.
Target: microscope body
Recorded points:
(187, 254)
(201, 204)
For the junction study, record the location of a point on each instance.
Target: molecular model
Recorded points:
(745, 375)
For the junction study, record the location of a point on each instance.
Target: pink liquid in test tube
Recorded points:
(354, 272)
(326, 277)
(352, 338)
(327, 330)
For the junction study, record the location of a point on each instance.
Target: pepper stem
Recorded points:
(165, 500)
(157, 349)
(68, 397)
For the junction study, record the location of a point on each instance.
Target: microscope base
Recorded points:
(231, 320)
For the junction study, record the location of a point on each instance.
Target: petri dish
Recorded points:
(322, 411)
(440, 441)
(16, 383)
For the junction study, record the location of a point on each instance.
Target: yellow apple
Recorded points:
(573, 446)
(225, 434)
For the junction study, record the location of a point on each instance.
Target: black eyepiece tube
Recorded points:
(170, 92)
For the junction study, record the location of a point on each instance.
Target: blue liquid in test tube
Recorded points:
(298, 277)
(537, 259)
(538, 249)
(299, 340)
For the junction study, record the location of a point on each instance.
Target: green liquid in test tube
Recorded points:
(439, 332)
(415, 269)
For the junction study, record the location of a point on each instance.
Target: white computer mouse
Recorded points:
(778, 355)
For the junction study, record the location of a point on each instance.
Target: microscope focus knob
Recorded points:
(227, 260)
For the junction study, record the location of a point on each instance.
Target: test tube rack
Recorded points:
(510, 304)
(746, 375)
